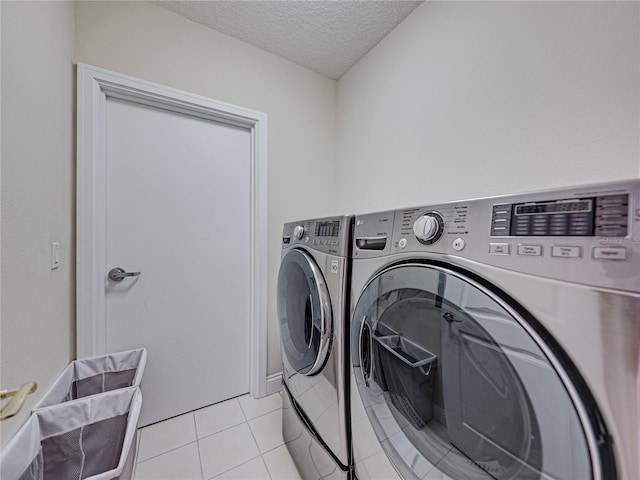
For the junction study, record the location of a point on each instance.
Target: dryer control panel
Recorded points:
(588, 235)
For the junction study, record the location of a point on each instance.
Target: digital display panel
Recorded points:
(327, 229)
(554, 207)
(603, 216)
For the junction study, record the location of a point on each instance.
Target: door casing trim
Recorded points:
(94, 86)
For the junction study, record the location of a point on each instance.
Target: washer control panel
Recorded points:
(328, 235)
(603, 216)
(588, 235)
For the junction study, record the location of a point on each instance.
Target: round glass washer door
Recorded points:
(456, 382)
(304, 313)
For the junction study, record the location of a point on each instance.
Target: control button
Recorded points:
(530, 250)
(609, 253)
(298, 232)
(458, 244)
(334, 266)
(501, 209)
(612, 231)
(402, 242)
(428, 227)
(306, 239)
(566, 252)
(612, 220)
(499, 248)
(613, 200)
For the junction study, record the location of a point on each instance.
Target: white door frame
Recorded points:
(94, 86)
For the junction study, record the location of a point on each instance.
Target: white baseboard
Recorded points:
(274, 383)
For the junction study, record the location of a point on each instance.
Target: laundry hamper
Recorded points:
(90, 376)
(410, 373)
(92, 438)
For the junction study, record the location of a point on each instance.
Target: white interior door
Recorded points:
(177, 190)
(171, 185)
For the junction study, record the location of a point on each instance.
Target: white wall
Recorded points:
(151, 43)
(467, 99)
(37, 196)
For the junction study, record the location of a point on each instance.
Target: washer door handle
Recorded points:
(117, 274)
(308, 321)
(365, 351)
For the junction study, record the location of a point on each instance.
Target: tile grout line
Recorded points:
(237, 466)
(261, 455)
(245, 462)
(171, 449)
(197, 439)
(242, 410)
(246, 421)
(195, 425)
(227, 428)
(168, 451)
(293, 463)
(266, 467)
(274, 448)
(277, 446)
(258, 447)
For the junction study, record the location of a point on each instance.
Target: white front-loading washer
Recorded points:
(499, 338)
(314, 333)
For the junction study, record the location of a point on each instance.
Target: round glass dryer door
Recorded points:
(459, 385)
(304, 312)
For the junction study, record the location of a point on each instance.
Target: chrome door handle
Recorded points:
(117, 274)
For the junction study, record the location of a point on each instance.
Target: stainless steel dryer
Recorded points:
(314, 332)
(499, 338)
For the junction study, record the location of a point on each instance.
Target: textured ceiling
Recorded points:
(327, 36)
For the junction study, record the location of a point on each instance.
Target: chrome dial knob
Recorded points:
(298, 231)
(428, 227)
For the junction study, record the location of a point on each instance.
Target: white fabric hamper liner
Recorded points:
(90, 376)
(92, 438)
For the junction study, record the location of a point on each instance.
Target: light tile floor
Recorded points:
(238, 439)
